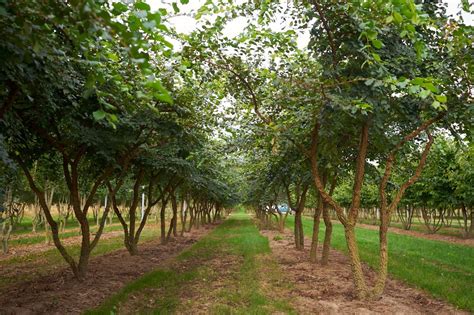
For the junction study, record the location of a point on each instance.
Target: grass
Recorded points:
(238, 241)
(445, 270)
(455, 229)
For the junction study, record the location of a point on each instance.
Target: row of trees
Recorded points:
(93, 94)
(94, 102)
(443, 193)
(362, 105)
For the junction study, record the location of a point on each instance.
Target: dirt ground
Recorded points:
(434, 237)
(28, 249)
(59, 293)
(329, 289)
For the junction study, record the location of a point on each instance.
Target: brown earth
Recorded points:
(329, 290)
(42, 233)
(428, 236)
(60, 293)
(22, 250)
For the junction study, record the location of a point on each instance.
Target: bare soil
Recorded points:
(28, 249)
(60, 293)
(329, 289)
(428, 236)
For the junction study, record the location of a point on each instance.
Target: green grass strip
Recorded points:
(237, 237)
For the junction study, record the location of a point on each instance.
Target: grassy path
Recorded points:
(228, 271)
(445, 270)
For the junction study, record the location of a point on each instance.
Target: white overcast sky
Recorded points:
(186, 24)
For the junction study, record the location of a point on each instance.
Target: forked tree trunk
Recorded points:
(386, 209)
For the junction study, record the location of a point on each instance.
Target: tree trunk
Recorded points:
(299, 236)
(313, 252)
(383, 254)
(6, 232)
(327, 234)
(174, 219)
(184, 215)
(162, 221)
(356, 266)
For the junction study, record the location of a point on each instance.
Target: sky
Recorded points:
(186, 24)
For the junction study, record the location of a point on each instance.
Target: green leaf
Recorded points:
(184, 1)
(466, 6)
(417, 81)
(99, 114)
(119, 8)
(369, 82)
(377, 43)
(175, 7)
(371, 35)
(112, 118)
(430, 86)
(113, 56)
(397, 17)
(376, 57)
(142, 6)
(164, 97)
(156, 85)
(441, 98)
(420, 48)
(424, 94)
(414, 89)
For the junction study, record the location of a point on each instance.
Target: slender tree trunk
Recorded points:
(383, 253)
(313, 252)
(471, 228)
(175, 216)
(327, 234)
(174, 219)
(162, 221)
(7, 227)
(184, 215)
(465, 221)
(299, 236)
(191, 217)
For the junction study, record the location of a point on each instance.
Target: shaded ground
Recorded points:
(329, 289)
(19, 251)
(59, 293)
